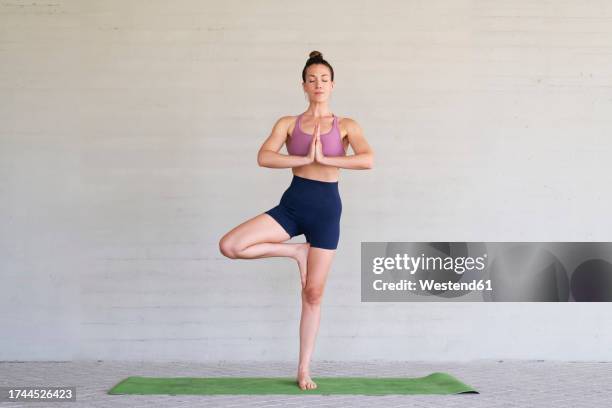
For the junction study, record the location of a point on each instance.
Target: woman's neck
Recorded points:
(318, 110)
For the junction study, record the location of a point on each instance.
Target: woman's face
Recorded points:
(318, 83)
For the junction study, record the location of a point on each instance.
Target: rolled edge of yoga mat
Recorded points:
(434, 383)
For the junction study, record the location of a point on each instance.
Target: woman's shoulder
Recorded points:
(346, 121)
(288, 122)
(348, 125)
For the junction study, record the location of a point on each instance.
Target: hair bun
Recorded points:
(315, 54)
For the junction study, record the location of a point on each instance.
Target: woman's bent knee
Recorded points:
(227, 248)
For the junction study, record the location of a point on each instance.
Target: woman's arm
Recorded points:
(364, 155)
(268, 155)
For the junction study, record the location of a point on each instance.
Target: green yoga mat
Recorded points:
(435, 383)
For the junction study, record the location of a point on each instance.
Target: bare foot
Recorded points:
(305, 382)
(301, 256)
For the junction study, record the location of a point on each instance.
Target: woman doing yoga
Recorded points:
(311, 205)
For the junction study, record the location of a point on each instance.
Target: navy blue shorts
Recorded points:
(313, 208)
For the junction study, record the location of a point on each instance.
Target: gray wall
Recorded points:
(128, 140)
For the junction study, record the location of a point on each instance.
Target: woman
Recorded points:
(311, 205)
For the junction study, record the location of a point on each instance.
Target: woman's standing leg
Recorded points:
(319, 264)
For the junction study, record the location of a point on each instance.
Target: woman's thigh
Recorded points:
(261, 228)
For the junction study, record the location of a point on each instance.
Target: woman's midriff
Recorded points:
(317, 171)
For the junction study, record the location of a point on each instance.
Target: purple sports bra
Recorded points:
(299, 142)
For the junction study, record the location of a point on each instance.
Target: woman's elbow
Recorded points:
(370, 162)
(261, 160)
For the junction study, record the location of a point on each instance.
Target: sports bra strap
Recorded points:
(299, 121)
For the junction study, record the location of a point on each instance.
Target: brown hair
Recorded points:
(316, 57)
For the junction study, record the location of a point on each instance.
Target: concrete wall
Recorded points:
(128, 140)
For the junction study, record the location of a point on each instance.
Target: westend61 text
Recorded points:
(429, 285)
